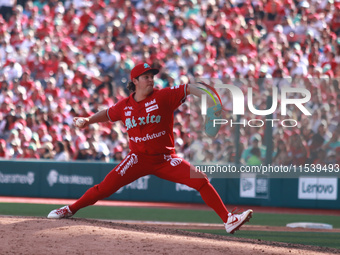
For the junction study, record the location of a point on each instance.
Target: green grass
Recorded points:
(160, 214)
(308, 238)
(203, 216)
(276, 219)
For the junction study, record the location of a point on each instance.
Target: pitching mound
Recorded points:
(25, 235)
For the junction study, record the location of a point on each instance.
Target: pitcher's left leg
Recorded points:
(178, 170)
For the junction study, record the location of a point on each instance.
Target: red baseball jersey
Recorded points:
(149, 123)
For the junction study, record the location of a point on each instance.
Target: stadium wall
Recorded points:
(52, 179)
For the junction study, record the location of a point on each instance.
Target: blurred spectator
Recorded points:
(315, 145)
(255, 158)
(7, 124)
(117, 153)
(26, 80)
(83, 152)
(61, 152)
(107, 86)
(256, 142)
(321, 158)
(3, 149)
(46, 151)
(109, 57)
(12, 70)
(32, 151)
(15, 150)
(6, 8)
(281, 154)
(333, 142)
(103, 152)
(297, 153)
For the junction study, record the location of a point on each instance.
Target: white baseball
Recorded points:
(80, 122)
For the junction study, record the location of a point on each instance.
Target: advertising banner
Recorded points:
(50, 179)
(318, 188)
(254, 186)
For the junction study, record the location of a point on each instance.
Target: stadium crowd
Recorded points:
(61, 59)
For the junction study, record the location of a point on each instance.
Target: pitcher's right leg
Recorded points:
(127, 171)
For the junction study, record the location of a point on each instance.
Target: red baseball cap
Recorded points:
(142, 68)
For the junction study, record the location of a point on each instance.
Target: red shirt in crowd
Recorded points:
(98, 5)
(335, 22)
(29, 84)
(51, 66)
(273, 7)
(44, 29)
(54, 92)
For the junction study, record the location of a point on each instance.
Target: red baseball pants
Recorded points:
(168, 167)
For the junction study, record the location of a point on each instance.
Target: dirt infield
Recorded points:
(32, 235)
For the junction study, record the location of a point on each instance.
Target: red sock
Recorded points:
(212, 199)
(90, 197)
